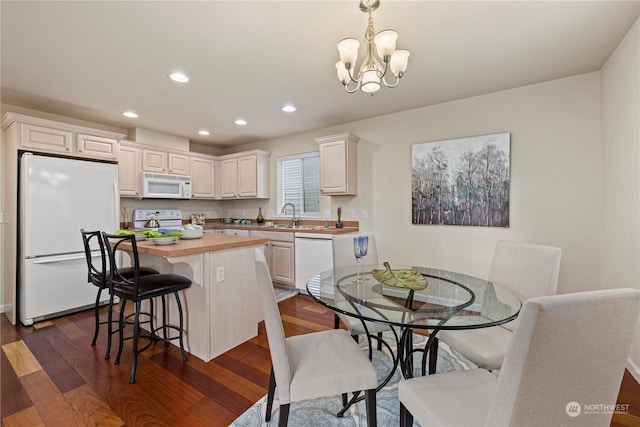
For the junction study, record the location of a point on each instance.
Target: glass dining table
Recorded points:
(449, 301)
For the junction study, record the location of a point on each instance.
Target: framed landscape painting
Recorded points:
(462, 181)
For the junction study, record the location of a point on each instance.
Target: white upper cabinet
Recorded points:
(128, 170)
(203, 178)
(338, 164)
(245, 175)
(154, 161)
(48, 136)
(95, 146)
(179, 164)
(45, 138)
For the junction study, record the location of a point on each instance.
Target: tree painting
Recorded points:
(461, 181)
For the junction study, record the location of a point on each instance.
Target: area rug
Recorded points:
(322, 412)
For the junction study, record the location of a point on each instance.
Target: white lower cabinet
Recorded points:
(280, 254)
(234, 232)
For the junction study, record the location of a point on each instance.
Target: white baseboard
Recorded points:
(4, 308)
(634, 370)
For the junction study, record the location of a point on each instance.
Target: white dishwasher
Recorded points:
(314, 253)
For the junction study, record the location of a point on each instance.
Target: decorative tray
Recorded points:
(404, 278)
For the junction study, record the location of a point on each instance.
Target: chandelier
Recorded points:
(374, 69)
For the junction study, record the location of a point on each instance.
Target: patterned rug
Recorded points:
(322, 411)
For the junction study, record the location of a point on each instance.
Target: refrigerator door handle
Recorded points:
(116, 204)
(62, 258)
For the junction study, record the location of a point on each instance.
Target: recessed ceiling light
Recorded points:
(203, 132)
(288, 108)
(130, 114)
(241, 122)
(179, 77)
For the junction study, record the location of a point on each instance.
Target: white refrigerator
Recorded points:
(58, 197)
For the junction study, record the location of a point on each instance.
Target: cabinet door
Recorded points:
(202, 178)
(282, 262)
(247, 176)
(96, 146)
(338, 164)
(333, 167)
(45, 138)
(154, 161)
(128, 171)
(229, 178)
(179, 164)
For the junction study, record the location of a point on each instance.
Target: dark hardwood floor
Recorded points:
(51, 376)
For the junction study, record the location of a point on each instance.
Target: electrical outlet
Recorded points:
(244, 213)
(327, 214)
(365, 214)
(220, 274)
(352, 213)
(272, 213)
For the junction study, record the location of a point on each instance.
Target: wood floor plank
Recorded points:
(48, 400)
(311, 326)
(70, 328)
(213, 414)
(208, 386)
(13, 396)
(64, 376)
(91, 408)
(21, 358)
(28, 417)
(43, 324)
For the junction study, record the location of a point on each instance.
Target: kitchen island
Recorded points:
(222, 308)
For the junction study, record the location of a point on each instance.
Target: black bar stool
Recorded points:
(100, 278)
(139, 288)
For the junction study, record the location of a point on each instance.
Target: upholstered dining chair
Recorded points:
(343, 257)
(100, 276)
(139, 288)
(526, 269)
(567, 351)
(312, 365)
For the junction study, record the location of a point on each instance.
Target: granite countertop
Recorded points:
(208, 243)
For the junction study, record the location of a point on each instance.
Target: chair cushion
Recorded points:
(153, 285)
(485, 347)
(328, 363)
(126, 272)
(459, 398)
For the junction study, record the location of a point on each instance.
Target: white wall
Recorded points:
(555, 180)
(620, 78)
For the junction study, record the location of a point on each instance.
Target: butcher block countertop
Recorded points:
(208, 243)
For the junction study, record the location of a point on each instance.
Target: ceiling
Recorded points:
(92, 60)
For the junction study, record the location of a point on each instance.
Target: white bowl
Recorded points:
(187, 233)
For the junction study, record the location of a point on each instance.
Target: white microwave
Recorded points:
(163, 186)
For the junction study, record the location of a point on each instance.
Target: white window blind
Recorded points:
(299, 182)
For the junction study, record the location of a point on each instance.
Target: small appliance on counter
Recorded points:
(157, 218)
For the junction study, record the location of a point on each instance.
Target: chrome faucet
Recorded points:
(294, 220)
